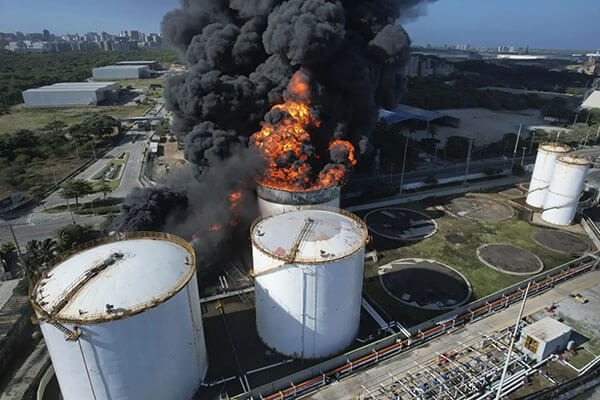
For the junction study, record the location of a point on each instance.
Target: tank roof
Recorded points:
(568, 160)
(323, 235)
(115, 279)
(552, 147)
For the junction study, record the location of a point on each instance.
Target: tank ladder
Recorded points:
(308, 222)
(80, 282)
(71, 336)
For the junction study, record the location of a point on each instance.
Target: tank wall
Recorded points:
(308, 311)
(157, 354)
(267, 208)
(562, 201)
(541, 177)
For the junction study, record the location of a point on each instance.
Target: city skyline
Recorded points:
(479, 23)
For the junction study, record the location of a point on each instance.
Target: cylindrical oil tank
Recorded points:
(308, 268)
(121, 319)
(566, 186)
(275, 201)
(542, 172)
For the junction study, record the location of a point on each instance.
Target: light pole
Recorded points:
(403, 165)
(512, 163)
(468, 159)
(523, 156)
(12, 232)
(532, 140)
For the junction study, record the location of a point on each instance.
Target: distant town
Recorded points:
(45, 41)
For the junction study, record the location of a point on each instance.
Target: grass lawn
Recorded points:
(461, 256)
(21, 117)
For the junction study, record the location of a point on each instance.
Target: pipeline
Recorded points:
(421, 336)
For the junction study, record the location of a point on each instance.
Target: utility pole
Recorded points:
(403, 165)
(531, 144)
(512, 163)
(469, 159)
(512, 342)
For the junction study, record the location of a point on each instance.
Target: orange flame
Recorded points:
(234, 199)
(214, 228)
(287, 140)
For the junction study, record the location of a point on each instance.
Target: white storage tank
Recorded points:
(308, 268)
(542, 172)
(566, 186)
(273, 201)
(121, 319)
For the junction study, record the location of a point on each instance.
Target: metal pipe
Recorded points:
(512, 342)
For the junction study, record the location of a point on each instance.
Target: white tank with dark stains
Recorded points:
(566, 186)
(273, 201)
(121, 319)
(542, 172)
(308, 268)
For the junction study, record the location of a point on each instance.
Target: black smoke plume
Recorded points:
(241, 55)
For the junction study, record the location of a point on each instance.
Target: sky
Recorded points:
(552, 24)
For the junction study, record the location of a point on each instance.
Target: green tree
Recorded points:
(457, 146)
(55, 128)
(70, 236)
(75, 188)
(105, 188)
(431, 180)
(6, 250)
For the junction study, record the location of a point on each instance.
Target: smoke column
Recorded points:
(241, 56)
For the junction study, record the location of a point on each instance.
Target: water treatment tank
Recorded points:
(566, 186)
(121, 319)
(542, 172)
(275, 201)
(308, 268)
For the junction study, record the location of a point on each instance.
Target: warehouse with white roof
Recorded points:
(71, 94)
(121, 72)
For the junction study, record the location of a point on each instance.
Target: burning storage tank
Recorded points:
(121, 319)
(542, 172)
(568, 180)
(275, 201)
(308, 268)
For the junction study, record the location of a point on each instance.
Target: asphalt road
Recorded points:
(446, 171)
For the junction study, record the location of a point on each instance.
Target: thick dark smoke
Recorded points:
(241, 55)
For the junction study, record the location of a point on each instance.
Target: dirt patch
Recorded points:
(510, 259)
(480, 208)
(561, 242)
(425, 284)
(400, 224)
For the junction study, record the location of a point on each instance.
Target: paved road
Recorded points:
(132, 142)
(439, 192)
(351, 387)
(447, 171)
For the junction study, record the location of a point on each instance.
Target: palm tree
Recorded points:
(47, 250)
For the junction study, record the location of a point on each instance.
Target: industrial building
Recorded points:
(121, 72)
(152, 65)
(544, 337)
(71, 94)
(121, 319)
(404, 113)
